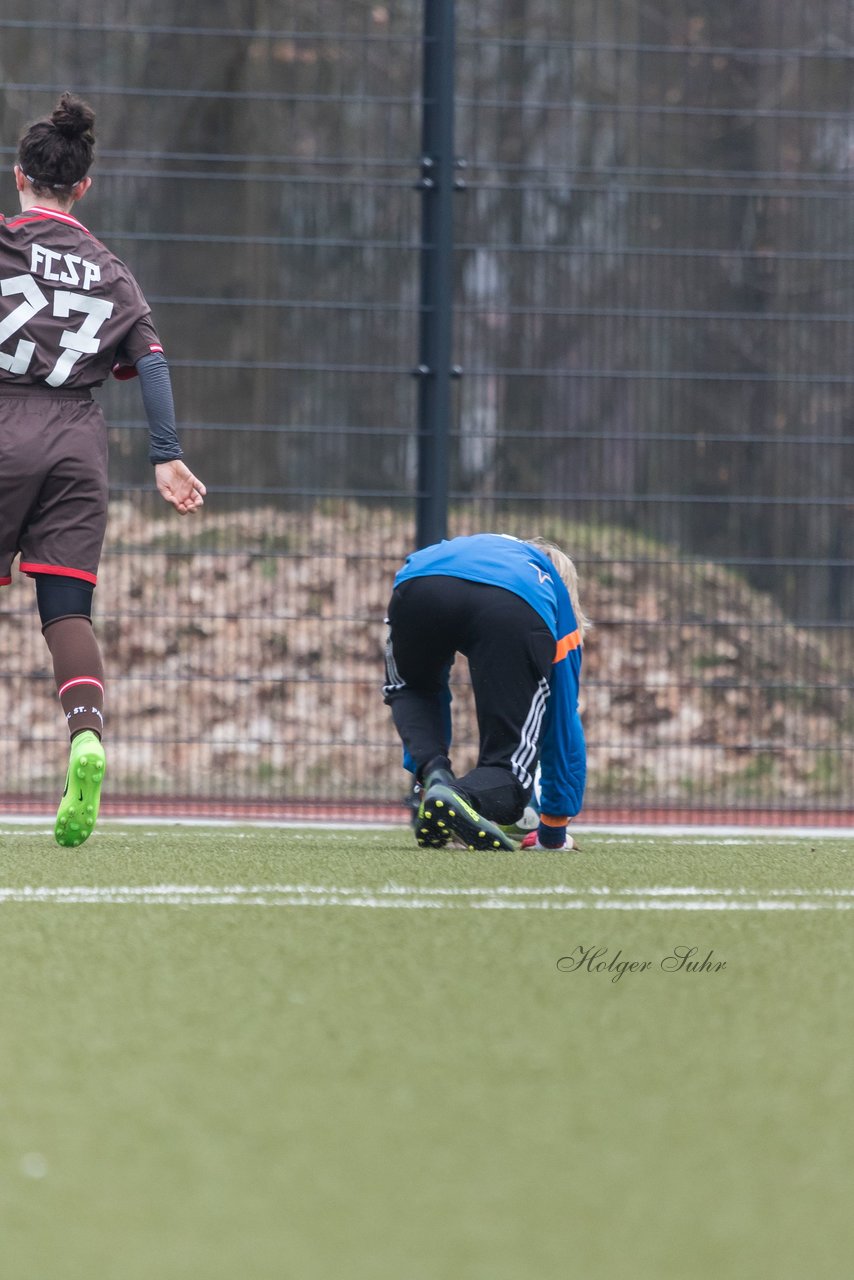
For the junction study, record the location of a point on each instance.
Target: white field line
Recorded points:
(617, 833)
(412, 897)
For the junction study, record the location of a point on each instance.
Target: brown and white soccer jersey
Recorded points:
(70, 312)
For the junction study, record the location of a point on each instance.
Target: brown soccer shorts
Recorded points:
(53, 482)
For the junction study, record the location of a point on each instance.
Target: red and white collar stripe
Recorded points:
(60, 217)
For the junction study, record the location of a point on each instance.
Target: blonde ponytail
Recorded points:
(568, 575)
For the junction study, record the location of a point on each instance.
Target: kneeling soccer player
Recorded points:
(511, 607)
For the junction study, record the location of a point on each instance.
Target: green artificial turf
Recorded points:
(319, 1054)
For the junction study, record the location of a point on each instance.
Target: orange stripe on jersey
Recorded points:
(566, 644)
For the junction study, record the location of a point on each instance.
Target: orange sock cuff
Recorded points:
(548, 821)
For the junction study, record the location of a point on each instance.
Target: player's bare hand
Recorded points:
(177, 484)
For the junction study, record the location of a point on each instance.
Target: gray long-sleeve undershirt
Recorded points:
(156, 387)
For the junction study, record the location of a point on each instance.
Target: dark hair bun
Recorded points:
(73, 118)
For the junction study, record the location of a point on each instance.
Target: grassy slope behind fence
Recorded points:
(245, 650)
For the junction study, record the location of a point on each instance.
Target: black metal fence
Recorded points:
(653, 288)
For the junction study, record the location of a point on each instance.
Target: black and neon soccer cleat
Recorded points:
(445, 815)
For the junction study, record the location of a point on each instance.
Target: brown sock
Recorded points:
(79, 672)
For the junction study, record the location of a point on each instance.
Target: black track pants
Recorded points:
(510, 651)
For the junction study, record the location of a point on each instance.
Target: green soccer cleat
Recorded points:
(444, 815)
(81, 799)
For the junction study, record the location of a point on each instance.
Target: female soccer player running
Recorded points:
(70, 313)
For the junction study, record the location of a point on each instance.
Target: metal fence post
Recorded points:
(437, 250)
